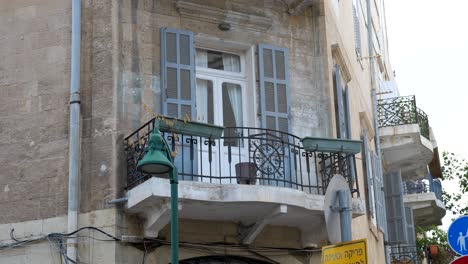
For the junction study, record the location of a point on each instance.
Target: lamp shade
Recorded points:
(155, 160)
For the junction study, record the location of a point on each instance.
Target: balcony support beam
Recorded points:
(157, 218)
(249, 234)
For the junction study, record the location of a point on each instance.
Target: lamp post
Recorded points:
(158, 160)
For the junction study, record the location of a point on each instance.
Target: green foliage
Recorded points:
(433, 235)
(455, 168)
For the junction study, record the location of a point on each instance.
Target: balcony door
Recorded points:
(220, 89)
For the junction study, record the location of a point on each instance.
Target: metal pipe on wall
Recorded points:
(345, 215)
(74, 137)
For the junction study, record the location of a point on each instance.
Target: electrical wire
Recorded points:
(57, 239)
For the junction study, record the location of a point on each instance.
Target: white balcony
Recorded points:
(250, 205)
(404, 137)
(425, 198)
(250, 176)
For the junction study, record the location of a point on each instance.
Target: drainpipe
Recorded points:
(74, 140)
(374, 98)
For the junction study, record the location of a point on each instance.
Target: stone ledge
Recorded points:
(217, 15)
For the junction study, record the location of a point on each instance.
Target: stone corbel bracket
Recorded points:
(248, 234)
(218, 15)
(157, 218)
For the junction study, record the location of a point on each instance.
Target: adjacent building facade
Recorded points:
(276, 75)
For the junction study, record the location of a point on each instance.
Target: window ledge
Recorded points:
(217, 15)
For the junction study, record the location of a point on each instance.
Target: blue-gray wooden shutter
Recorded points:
(368, 173)
(357, 27)
(410, 226)
(347, 115)
(275, 107)
(178, 93)
(339, 106)
(274, 87)
(396, 217)
(381, 213)
(178, 74)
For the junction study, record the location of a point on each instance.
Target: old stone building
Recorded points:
(271, 72)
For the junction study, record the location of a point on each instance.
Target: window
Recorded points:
(218, 60)
(219, 91)
(367, 164)
(357, 27)
(342, 114)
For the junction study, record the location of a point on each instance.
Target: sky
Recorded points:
(428, 47)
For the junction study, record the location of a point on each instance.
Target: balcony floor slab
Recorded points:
(246, 204)
(427, 209)
(403, 147)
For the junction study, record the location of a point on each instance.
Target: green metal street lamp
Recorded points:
(158, 160)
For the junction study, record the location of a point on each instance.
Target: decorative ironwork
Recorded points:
(267, 153)
(423, 186)
(423, 123)
(402, 111)
(276, 158)
(404, 254)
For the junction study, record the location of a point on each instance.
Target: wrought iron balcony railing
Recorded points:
(423, 186)
(404, 254)
(402, 111)
(244, 155)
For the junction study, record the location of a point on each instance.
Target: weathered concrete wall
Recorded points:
(34, 81)
(34, 88)
(92, 245)
(141, 21)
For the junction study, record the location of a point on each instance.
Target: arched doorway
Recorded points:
(222, 260)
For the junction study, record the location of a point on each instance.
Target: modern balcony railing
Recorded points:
(404, 254)
(423, 186)
(402, 111)
(244, 155)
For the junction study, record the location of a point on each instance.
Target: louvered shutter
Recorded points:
(274, 87)
(396, 219)
(410, 226)
(178, 73)
(275, 107)
(351, 161)
(366, 164)
(339, 107)
(347, 112)
(357, 27)
(381, 213)
(178, 93)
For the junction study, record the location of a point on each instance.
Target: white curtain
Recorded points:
(202, 100)
(235, 98)
(231, 62)
(201, 58)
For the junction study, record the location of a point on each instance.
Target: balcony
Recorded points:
(405, 136)
(424, 196)
(404, 254)
(251, 176)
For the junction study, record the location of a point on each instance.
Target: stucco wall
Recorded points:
(120, 81)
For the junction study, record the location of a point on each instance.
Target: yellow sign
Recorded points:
(352, 252)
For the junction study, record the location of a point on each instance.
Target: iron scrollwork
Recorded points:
(402, 111)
